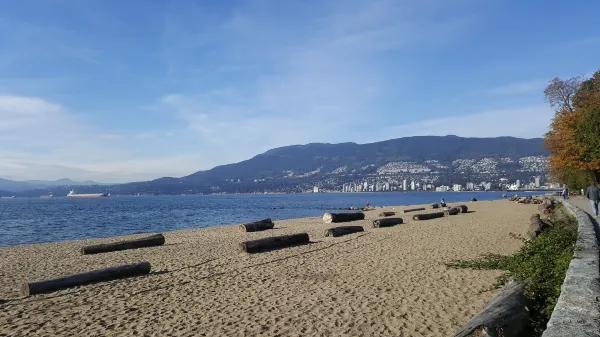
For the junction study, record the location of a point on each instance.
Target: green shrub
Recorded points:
(541, 264)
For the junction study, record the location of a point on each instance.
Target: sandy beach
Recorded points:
(381, 282)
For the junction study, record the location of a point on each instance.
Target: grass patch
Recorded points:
(541, 264)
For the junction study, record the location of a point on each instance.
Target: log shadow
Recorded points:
(470, 212)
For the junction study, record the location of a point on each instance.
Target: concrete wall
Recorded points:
(577, 312)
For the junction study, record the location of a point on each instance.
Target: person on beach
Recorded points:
(565, 193)
(443, 201)
(593, 195)
(367, 205)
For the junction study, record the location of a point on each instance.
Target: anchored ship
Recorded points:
(72, 194)
(47, 196)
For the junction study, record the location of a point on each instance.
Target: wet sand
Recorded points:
(381, 282)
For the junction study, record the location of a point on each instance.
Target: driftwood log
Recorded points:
(435, 206)
(382, 214)
(343, 230)
(150, 241)
(107, 274)
(507, 315)
(451, 211)
(462, 208)
(536, 226)
(387, 222)
(428, 216)
(256, 226)
(342, 217)
(413, 210)
(266, 244)
(442, 204)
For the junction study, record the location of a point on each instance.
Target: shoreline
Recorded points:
(380, 281)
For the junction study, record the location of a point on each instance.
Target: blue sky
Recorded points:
(132, 90)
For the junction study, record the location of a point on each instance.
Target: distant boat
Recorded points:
(47, 196)
(72, 194)
(11, 197)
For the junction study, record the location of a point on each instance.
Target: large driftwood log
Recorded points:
(343, 217)
(382, 214)
(442, 204)
(428, 216)
(266, 244)
(256, 226)
(451, 211)
(413, 210)
(107, 274)
(387, 222)
(435, 206)
(536, 226)
(343, 230)
(150, 241)
(506, 315)
(462, 208)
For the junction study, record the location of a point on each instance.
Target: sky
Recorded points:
(118, 91)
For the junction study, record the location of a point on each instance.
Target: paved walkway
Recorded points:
(584, 204)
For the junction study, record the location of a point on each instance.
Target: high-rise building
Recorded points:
(315, 189)
(412, 185)
(537, 181)
(404, 185)
(378, 187)
(518, 183)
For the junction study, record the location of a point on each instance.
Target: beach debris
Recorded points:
(451, 211)
(503, 195)
(343, 217)
(536, 226)
(413, 210)
(546, 206)
(435, 206)
(506, 315)
(276, 242)
(383, 214)
(428, 216)
(462, 208)
(149, 241)
(256, 226)
(343, 230)
(107, 274)
(387, 222)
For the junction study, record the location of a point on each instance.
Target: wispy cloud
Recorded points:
(519, 88)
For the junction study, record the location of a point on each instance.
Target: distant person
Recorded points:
(367, 205)
(443, 201)
(565, 193)
(593, 194)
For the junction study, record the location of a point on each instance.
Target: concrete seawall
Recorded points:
(577, 311)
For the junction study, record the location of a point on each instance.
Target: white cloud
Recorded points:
(519, 88)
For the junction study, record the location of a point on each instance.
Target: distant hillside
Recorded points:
(425, 159)
(20, 186)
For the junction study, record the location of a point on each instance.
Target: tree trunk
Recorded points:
(150, 241)
(343, 230)
(451, 211)
(387, 222)
(107, 274)
(507, 315)
(462, 208)
(428, 216)
(413, 210)
(382, 214)
(266, 244)
(256, 226)
(342, 217)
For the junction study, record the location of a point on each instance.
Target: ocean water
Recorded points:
(28, 221)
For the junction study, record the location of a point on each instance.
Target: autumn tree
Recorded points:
(574, 136)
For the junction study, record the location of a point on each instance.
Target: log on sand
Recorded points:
(107, 274)
(413, 210)
(387, 222)
(382, 214)
(506, 315)
(150, 241)
(451, 211)
(435, 206)
(536, 226)
(256, 226)
(462, 208)
(343, 230)
(342, 217)
(266, 244)
(428, 216)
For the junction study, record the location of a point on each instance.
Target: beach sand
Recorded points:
(381, 282)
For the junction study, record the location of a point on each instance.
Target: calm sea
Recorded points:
(27, 221)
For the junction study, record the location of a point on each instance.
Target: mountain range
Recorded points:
(433, 160)
(20, 186)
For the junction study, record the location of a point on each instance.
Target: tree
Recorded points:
(559, 93)
(574, 137)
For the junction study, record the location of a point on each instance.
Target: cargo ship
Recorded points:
(72, 194)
